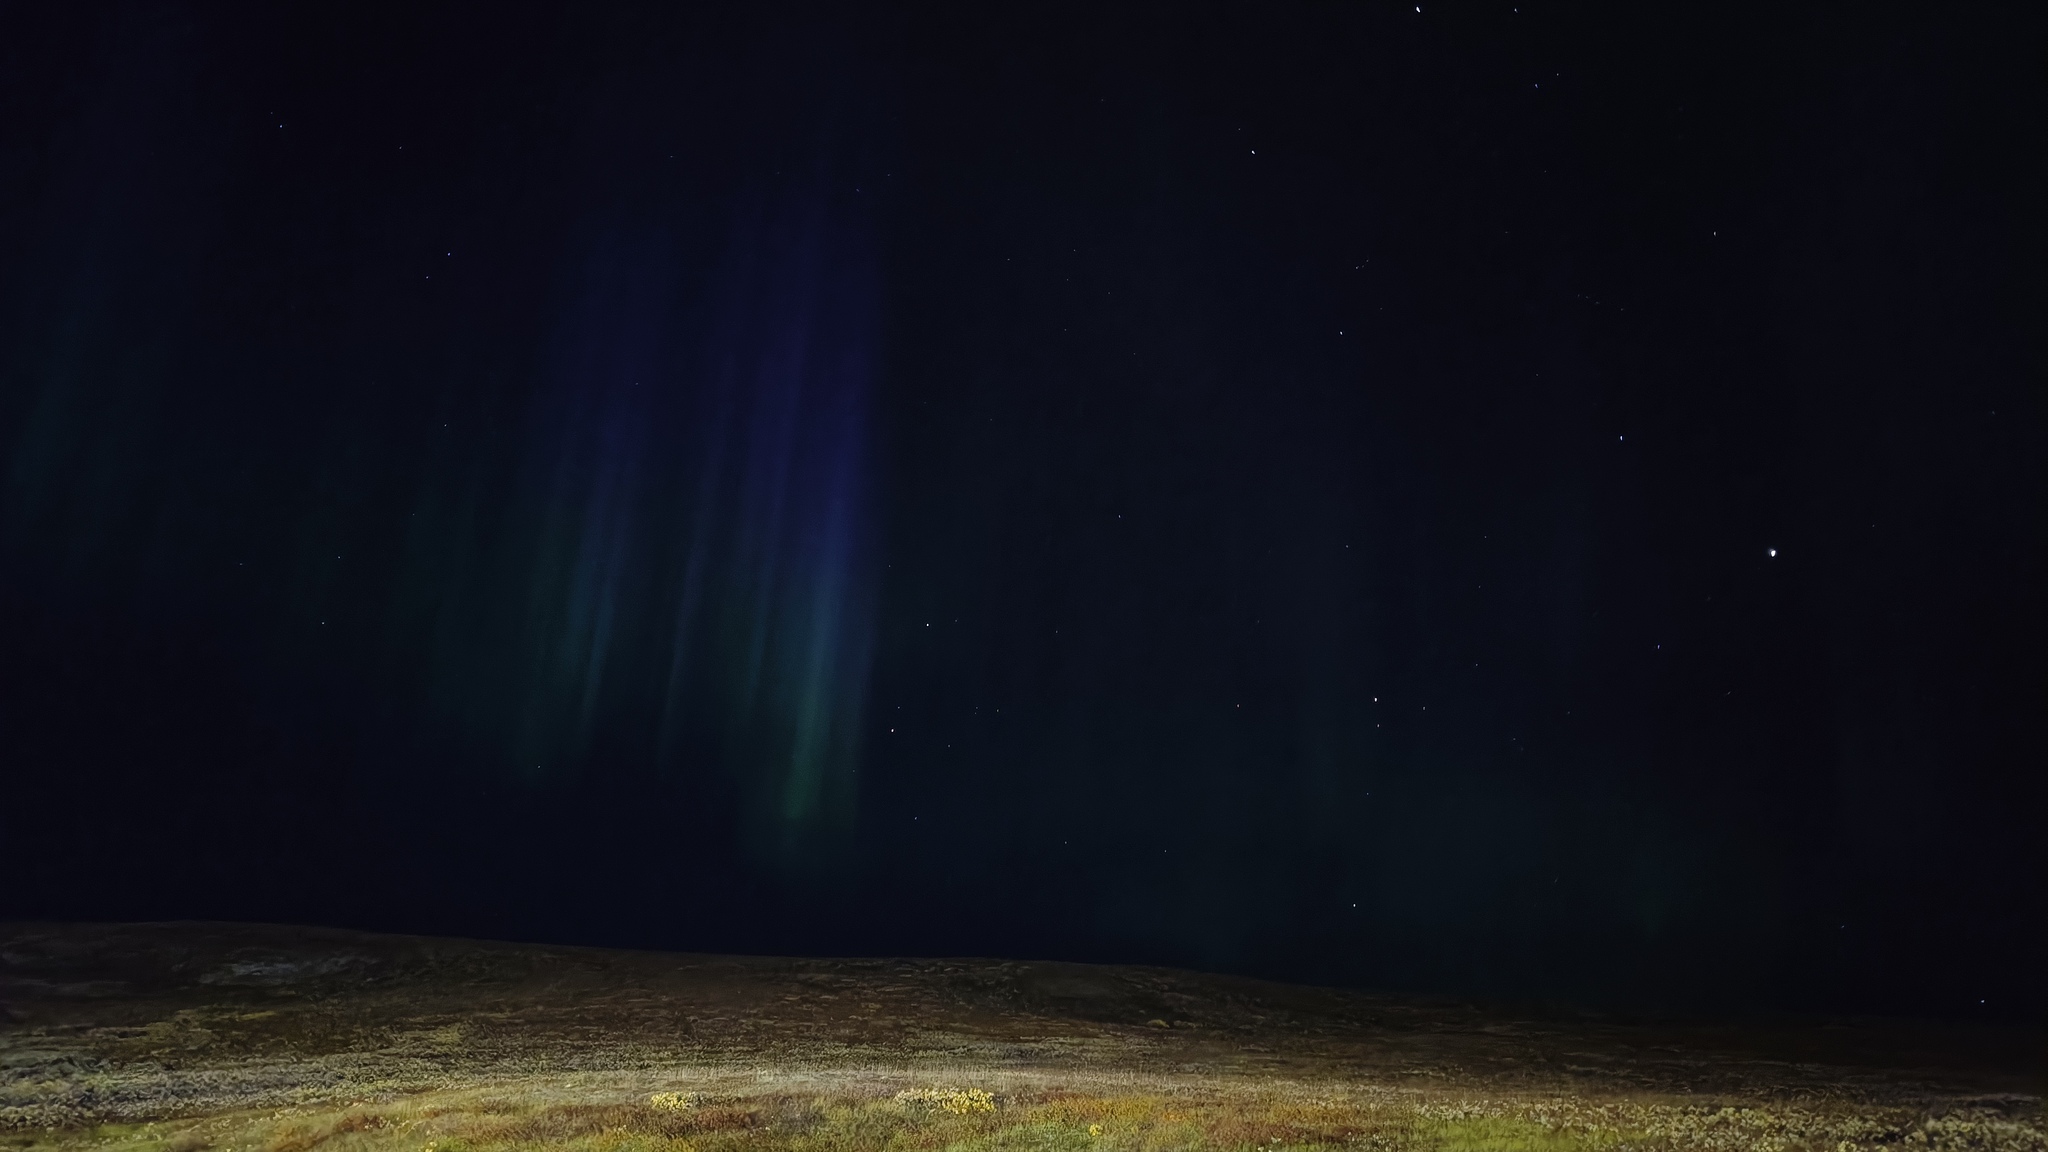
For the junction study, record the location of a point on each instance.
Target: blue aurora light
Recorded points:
(699, 566)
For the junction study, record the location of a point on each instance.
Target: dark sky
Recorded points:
(1528, 502)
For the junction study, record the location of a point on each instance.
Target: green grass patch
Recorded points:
(1505, 1134)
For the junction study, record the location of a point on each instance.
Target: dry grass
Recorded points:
(874, 1115)
(249, 1039)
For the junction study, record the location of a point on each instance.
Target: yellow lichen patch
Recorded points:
(958, 1101)
(670, 1102)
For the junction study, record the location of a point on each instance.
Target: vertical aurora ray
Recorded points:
(782, 522)
(692, 547)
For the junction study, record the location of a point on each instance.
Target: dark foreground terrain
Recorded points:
(178, 1037)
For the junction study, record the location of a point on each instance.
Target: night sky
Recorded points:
(1527, 502)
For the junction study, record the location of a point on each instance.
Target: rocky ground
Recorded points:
(187, 1036)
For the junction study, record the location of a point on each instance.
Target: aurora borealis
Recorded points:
(635, 528)
(688, 573)
(1522, 503)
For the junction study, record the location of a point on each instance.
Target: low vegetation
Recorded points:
(1242, 1118)
(194, 1038)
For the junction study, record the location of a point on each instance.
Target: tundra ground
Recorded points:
(182, 1037)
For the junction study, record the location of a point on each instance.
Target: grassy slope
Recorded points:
(187, 1036)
